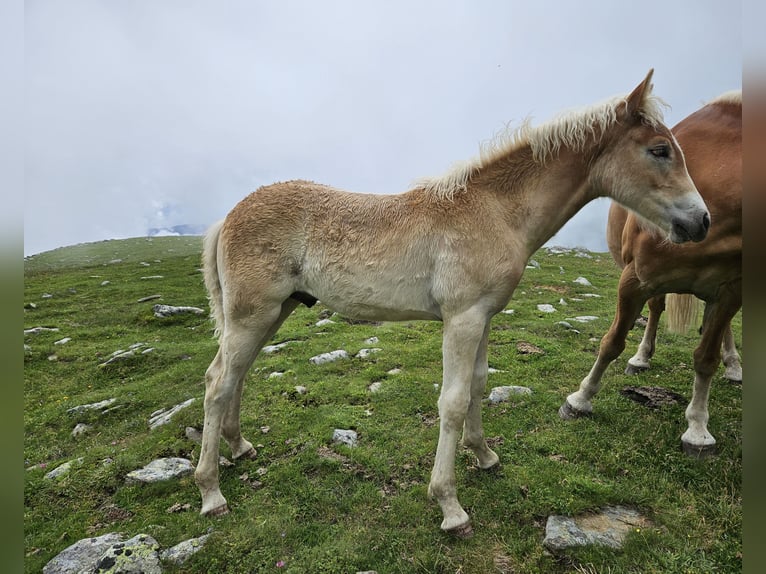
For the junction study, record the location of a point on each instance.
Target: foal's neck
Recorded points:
(539, 197)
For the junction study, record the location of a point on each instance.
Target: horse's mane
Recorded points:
(731, 97)
(570, 130)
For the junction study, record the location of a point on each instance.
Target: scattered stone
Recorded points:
(105, 283)
(492, 371)
(652, 397)
(182, 551)
(528, 348)
(590, 295)
(546, 308)
(118, 356)
(63, 341)
(178, 507)
(347, 437)
(583, 254)
(160, 469)
(36, 330)
(168, 310)
(145, 264)
(532, 264)
(301, 390)
(565, 325)
(375, 387)
(372, 341)
(114, 261)
(153, 277)
(193, 435)
(30, 306)
(329, 357)
(147, 351)
(608, 527)
(394, 371)
(46, 296)
(324, 322)
(583, 318)
(149, 298)
(82, 555)
(276, 375)
(101, 405)
(80, 429)
(62, 469)
(163, 416)
(583, 281)
(269, 349)
(508, 312)
(136, 555)
(503, 394)
(364, 353)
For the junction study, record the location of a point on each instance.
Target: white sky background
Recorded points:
(155, 113)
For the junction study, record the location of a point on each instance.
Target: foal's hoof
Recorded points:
(567, 412)
(463, 532)
(699, 451)
(634, 369)
(251, 454)
(218, 511)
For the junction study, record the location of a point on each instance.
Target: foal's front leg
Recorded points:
(462, 338)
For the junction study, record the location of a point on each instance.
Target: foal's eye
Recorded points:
(660, 151)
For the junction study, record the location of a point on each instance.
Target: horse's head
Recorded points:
(642, 167)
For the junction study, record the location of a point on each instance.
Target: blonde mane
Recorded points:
(730, 97)
(571, 130)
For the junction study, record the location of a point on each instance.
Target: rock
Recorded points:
(583, 281)
(347, 437)
(324, 322)
(532, 264)
(276, 375)
(160, 469)
(101, 405)
(590, 295)
(152, 277)
(583, 318)
(372, 341)
(168, 310)
(364, 353)
(137, 555)
(492, 371)
(62, 469)
(301, 390)
(608, 527)
(375, 387)
(163, 416)
(329, 357)
(36, 330)
(394, 371)
(193, 435)
(105, 283)
(63, 341)
(269, 349)
(80, 429)
(81, 556)
(502, 394)
(149, 298)
(546, 308)
(182, 551)
(508, 312)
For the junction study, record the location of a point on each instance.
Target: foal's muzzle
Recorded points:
(695, 229)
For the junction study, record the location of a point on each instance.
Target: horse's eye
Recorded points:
(661, 151)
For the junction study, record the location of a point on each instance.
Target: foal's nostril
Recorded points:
(706, 221)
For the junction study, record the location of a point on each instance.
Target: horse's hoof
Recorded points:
(699, 451)
(463, 532)
(218, 511)
(567, 412)
(634, 369)
(248, 455)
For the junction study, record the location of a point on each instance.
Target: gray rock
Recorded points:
(364, 353)
(324, 322)
(101, 405)
(347, 437)
(36, 330)
(169, 310)
(583, 318)
(608, 527)
(375, 387)
(63, 341)
(149, 298)
(269, 349)
(153, 277)
(372, 341)
(502, 394)
(135, 556)
(182, 551)
(546, 308)
(583, 281)
(329, 357)
(532, 264)
(163, 416)
(80, 429)
(62, 469)
(81, 556)
(160, 469)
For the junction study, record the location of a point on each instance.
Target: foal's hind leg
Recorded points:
(731, 359)
(473, 432)
(630, 300)
(230, 428)
(640, 361)
(240, 342)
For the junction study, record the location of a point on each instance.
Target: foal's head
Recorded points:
(642, 167)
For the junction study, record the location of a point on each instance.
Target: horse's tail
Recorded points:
(681, 311)
(212, 278)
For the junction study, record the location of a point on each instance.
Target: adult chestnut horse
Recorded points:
(451, 249)
(710, 270)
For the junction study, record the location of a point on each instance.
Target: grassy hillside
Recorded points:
(311, 506)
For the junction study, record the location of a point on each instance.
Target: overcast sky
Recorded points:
(154, 113)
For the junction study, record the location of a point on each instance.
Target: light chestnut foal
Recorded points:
(711, 139)
(451, 249)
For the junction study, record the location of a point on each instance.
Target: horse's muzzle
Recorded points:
(688, 230)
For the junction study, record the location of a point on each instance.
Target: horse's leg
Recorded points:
(230, 428)
(473, 433)
(697, 440)
(462, 338)
(240, 343)
(640, 361)
(630, 301)
(731, 359)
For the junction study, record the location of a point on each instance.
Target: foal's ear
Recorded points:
(636, 98)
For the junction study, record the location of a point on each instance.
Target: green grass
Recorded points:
(324, 508)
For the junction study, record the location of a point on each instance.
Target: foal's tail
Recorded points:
(682, 311)
(212, 279)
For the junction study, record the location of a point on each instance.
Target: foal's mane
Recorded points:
(571, 130)
(731, 97)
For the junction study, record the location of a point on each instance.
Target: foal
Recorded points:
(451, 249)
